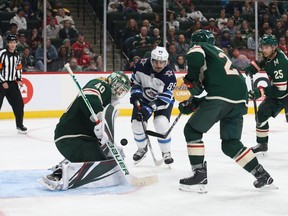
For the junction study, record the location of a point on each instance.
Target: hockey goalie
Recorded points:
(83, 141)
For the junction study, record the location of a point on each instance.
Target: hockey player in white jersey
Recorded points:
(153, 82)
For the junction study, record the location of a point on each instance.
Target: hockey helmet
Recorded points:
(159, 58)
(269, 40)
(11, 37)
(120, 84)
(203, 36)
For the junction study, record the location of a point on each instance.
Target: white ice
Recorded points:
(230, 189)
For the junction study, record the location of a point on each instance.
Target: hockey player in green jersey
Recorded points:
(210, 69)
(77, 136)
(275, 63)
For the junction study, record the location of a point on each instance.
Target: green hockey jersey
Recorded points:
(76, 120)
(277, 71)
(210, 66)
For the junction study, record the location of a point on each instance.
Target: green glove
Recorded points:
(187, 107)
(255, 93)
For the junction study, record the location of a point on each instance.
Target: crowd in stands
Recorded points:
(65, 43)
(137, 26)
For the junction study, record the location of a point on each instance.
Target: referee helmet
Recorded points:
(11, 37)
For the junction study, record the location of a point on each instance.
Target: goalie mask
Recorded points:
(120, 84)
(159, 59)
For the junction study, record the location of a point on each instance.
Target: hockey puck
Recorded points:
(124, 142)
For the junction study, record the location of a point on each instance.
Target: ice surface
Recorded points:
(230, 189)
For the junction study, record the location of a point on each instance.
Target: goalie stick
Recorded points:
(140, 181)
(156, 162)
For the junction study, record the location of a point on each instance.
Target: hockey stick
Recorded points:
(117, 156)
(252, 86)
(156, 162)
(164, 136)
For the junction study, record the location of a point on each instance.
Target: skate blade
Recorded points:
(202, 189)
(269, 187)
(136, 162)
(48, 184)
(22, 132)
(261, 154)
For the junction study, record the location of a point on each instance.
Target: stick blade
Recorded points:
(152, 133)
(143, 181)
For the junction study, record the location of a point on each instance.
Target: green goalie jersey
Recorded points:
(76, 120)
(210, 66)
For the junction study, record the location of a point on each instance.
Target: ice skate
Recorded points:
(139, 155)
(167, 158)
(263, 178)
(52, 181)
(22, 129)
(260, 149)
(197, 182)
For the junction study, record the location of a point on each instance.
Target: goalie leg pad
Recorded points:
(139, 135)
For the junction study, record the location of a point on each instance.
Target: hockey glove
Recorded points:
(100, 133)
(144, 113)
(195, 88)
(252, 68)
(187, 107)
(256, 93)
(136, 94)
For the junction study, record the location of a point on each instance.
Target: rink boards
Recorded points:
(49, 94)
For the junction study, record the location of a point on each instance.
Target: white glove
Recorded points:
(100, 133)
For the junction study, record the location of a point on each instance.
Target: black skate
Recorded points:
(139, 155)
(22, 129)
(260, 148)
(167, 158)
(262, 176)
(197, 182)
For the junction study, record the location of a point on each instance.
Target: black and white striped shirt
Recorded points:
(10, 66)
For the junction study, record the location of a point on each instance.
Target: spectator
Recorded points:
(67, 32)
(232, 6)
(130, 66)
(112, 7)
(13, 29)
(171, 20)
(181, 46)
(238, 42)
(197, 26)
(222, 21)
(231, 27)
(131, 29)
(172, 55)
(278, 31)
(225, 41)
(251, 44)
(196, 15)
(283, 45)
(141, 40)
(129, 7)
(157, 23)
(20, 20)
(268, 32)
(239, 61)
(21, 44)
(143, 6)
(263, 29)
(171, 36)
(266, 19)
(176, 6)
(274, 13)
(248, 11)
(211, 27)
(180, 64)
(28, 61)
(286, 35)
(52, 30)
(146, 23)
(82, 51)
(51, 54)
(34, 40)
(284, 20)
(73, 65)
(156, 38)
(61, 17)
(68, 47)
(28, 11)
(237, 19)
(63, 58)
(183, 16)
(245, 29)
(92, 66)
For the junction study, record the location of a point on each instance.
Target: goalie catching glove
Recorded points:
(100, 133)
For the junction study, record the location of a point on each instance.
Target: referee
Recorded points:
(11, 79)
